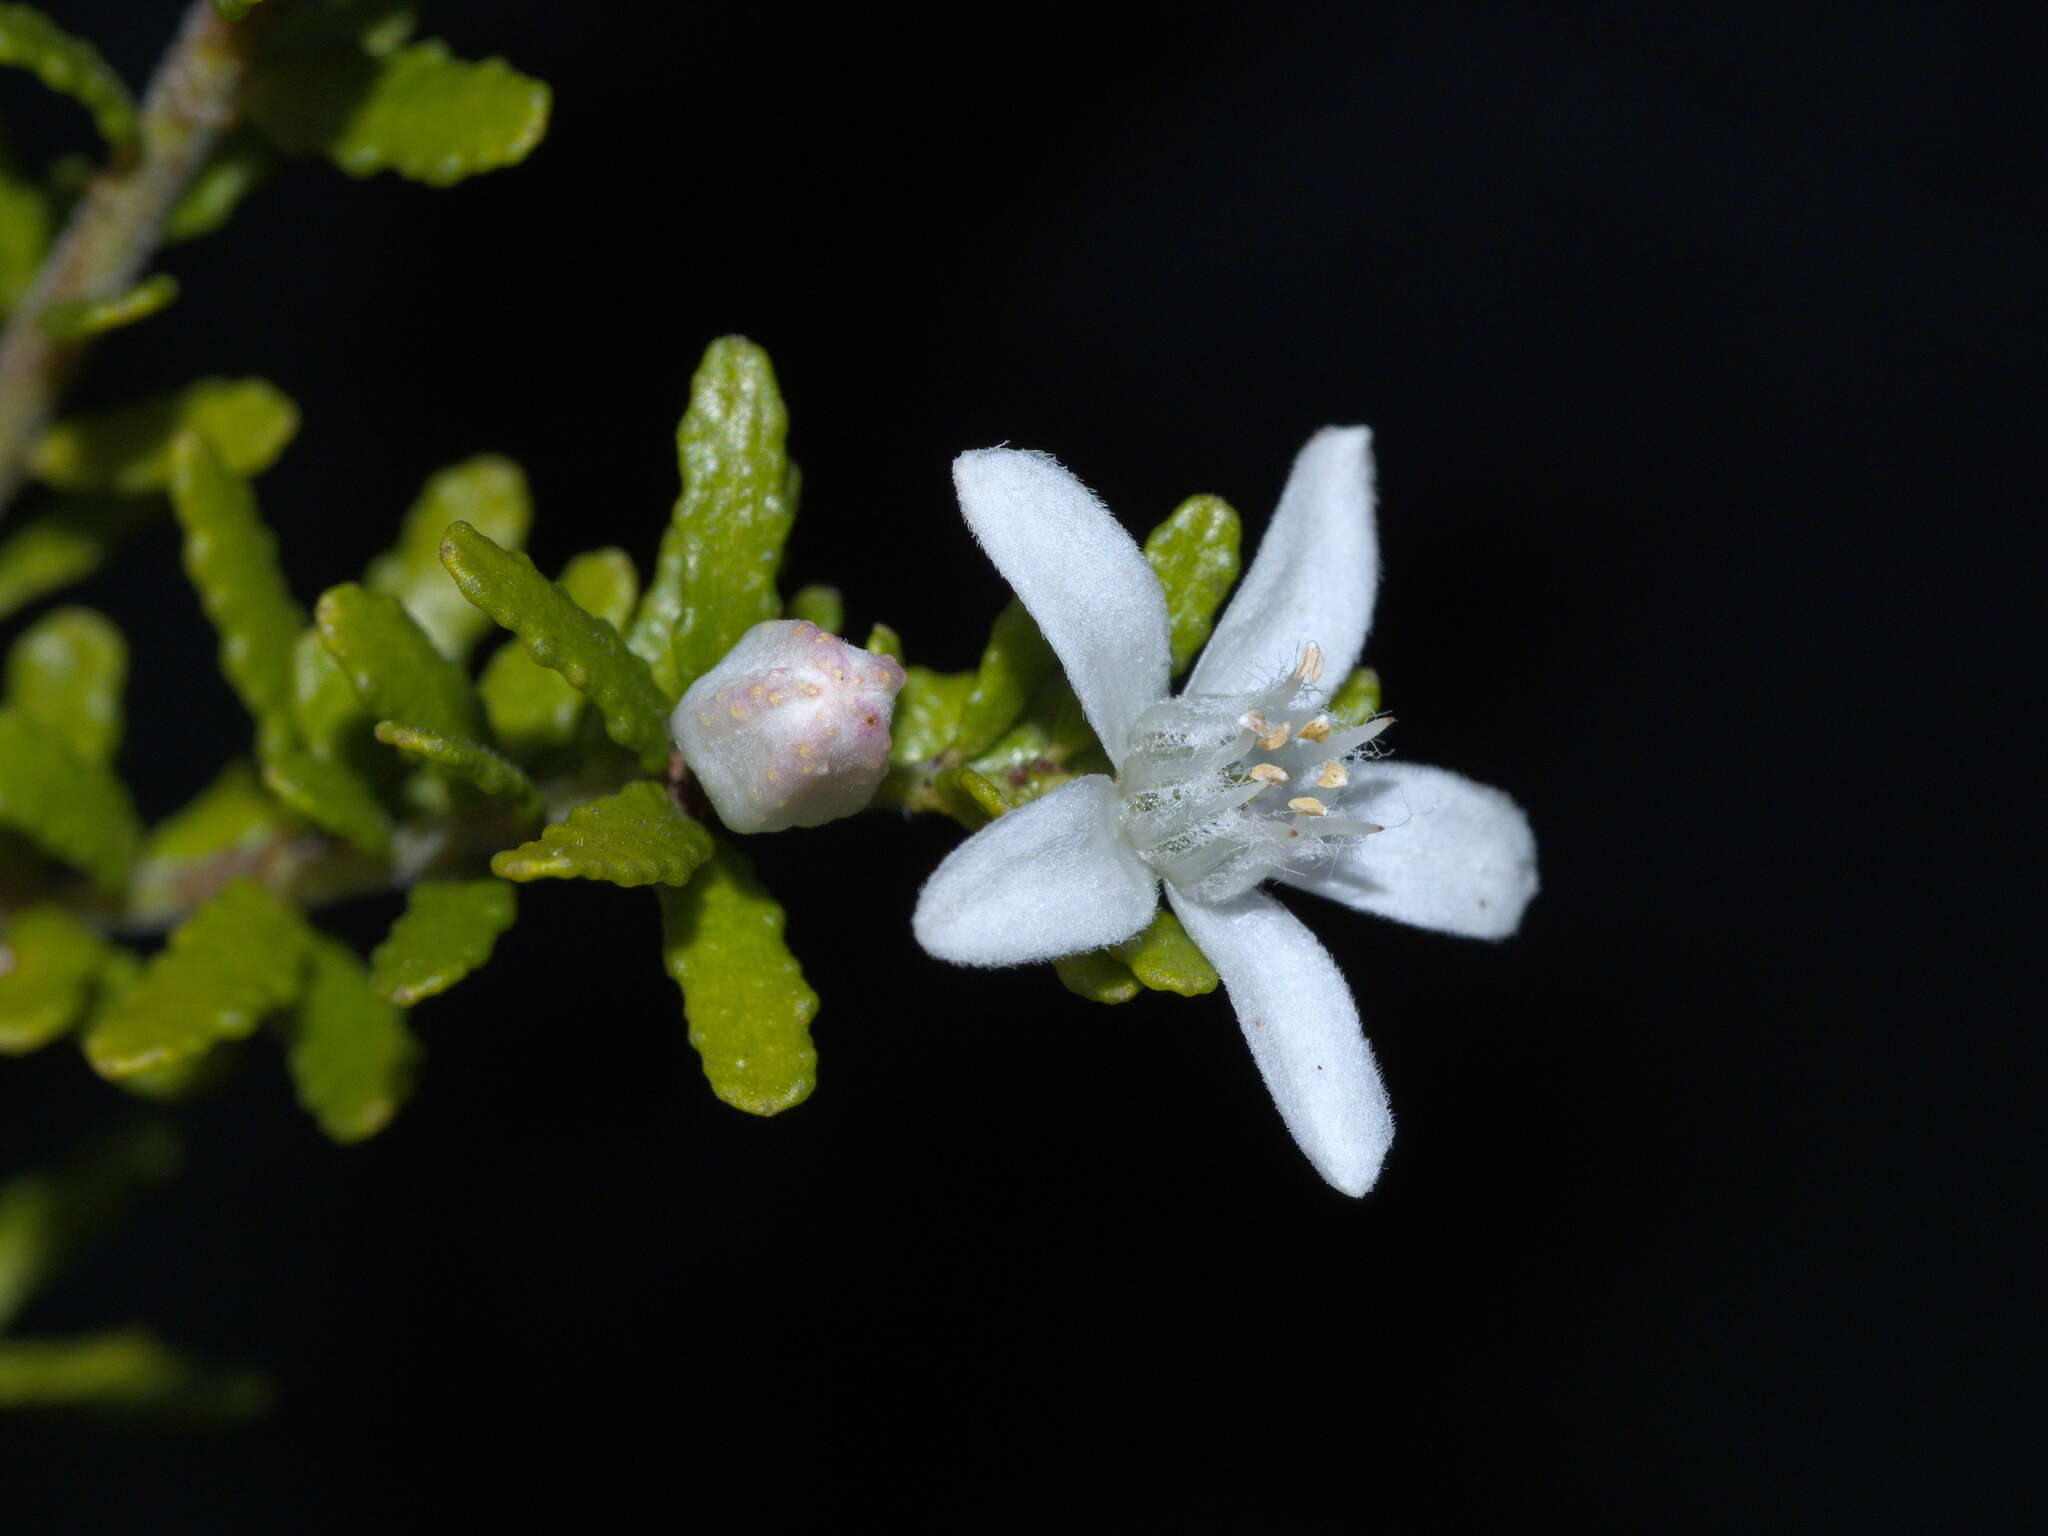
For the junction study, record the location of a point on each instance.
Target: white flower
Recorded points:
(1238, 780)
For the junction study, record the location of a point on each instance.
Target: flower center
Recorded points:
(1222, 791)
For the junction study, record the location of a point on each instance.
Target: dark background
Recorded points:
(1699, 348)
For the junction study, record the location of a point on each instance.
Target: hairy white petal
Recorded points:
(1455, 856)
(1298, 1018)
(1053, 877)
(1082, 577)
(1315, 576)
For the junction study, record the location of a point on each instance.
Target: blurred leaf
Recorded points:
(65, 542)
(1194, 554)
(748, 1006)
(226, 966)
(234, 10)
(27, 223)
(1013, 664)
(561, 634)
(714, 578)
(1165, 959)
(326, 714)
(232, 820)
(1098, 976)
(393, 666)
(79, 318)
(822, 606)
(329, 794)
(127, 450)
(531, 708)
(232, 560)
(465, 761)
(1357, 700)
(927, 714)
(129, 1373)
(67, 670)
(971, 798)
(46, 982)
(242, 161)
(49, 1216)
(72, 809)
(352, 1057)
(884, 641)
(487, 492)
(447, 930)
(71, 66)
(635, 837)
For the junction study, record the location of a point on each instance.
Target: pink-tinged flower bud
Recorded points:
(791, 729)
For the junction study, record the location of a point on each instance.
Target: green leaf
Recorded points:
(927, 717)
(393, 666)
(748, 1006)
(487, 492)
(70, 66)
(465, 761)
(67, 670)
(27, 222)
(352, 1058)
(232, 560)
(71, 808)
(329, 794)
(326, 714)
(1098, 976)
(1357, 700)
(241, 163)
(79, 318)
(1165, 959)
(1194, 554)
(635, 837)
(234, 10)
(232, 822)
(46, 983)
(236, 959)
(447, 930)
(561, 634)
(1013, 664)
(531, 708)
(884, 641)
(65, 542)
(130, 1373)
(127, 450)
(715, 576)
(51, 1215)
(819, 605)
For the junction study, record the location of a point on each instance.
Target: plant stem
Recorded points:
(118, 223)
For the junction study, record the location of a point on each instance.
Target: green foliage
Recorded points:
(819, 605)
(394, 667)
(927, 714)
(236, 959)
(532, 709)
(69, 807)
(91, 317)
(240, 163)
(714, 578)
(67, 671)
(49, 1216)
(71, 66)
(65, 542)
(127, 1373)
(744, 995)
(447, 930)
(1194, 553)
(562, 635)
(1098, 976)
(128, 450)
(489, 493)
(635, 837)
(53, 963)
(884, 641)
(1163, 958)
(468, 762)
(1013, 664)
(231, 822)
(234, 10)
(326, 714)
(352, 1057)
(27, 222)
(1357, 699)
(328, 793)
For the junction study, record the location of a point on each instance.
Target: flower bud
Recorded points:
(791, 729)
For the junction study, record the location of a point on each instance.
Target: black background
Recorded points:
(1697, 344)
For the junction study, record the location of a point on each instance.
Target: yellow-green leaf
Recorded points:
(70, 66)
(744, 995)
(1357, 699)
(26, 224)
(352, 1057)
(1194, 553)
(230, 822)
(67, 670)
(329, 794)
(927, 717)
(447, 930)
(46, 981)
(635, 837)
(884, 641)
(393, 666)
(79, 318)
(1098, 976)
(465, 761)
(1165, 959)
(819, 605)
(532, 708)
(65, 542)
(127, 450)
(70, 807)
(1013, 664)
(127, 1373)
(241, 163)
(489, 493)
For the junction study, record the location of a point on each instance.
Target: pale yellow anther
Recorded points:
(1311, 665)
(1333, 776)
(1254, 722)
(1317, 729)
(1276, 738)
(1308, 805)
(1269, 773)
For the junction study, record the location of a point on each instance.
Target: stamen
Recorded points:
(1317, 729)
(1308, 805)
(1254, 722)
(1276, 738)
(1333, 776)
(1269, 773)
(1311, 665)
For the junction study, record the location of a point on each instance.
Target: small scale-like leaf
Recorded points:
(1165, 959)
(326, 714)
(65, 542)
(884, 641)
(232, 822)
(329, 794)
(393, 666)
(819, 605)
(231, 558)
(352, 1057)
(532, 708)
(27, 222)
(70, 66)
(129, 1374)
(1194, 553)
(73, 809)
(67, 670)
(447, 930)
(1357, 699)
(46, 983)
(635, 837)
(927, 717)
(1013, 664)
(80, 318)
(489, 493)
(465, 761)
(561, 634)
(241, 162)
(748, 1006)
(127, 450)
(238, 958)
(714, 578)
(1098, 976)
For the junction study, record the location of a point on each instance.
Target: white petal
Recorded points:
(1455, 856)
(1298, 1018)
(1051, 878)
(1083, 578)
(1315, 577)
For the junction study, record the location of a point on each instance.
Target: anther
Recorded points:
(1317, 729)
(1333, 776)
(1254, 722)
(1311, 665)
(1276, 738)
(1308, 805)
(1269, 773)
